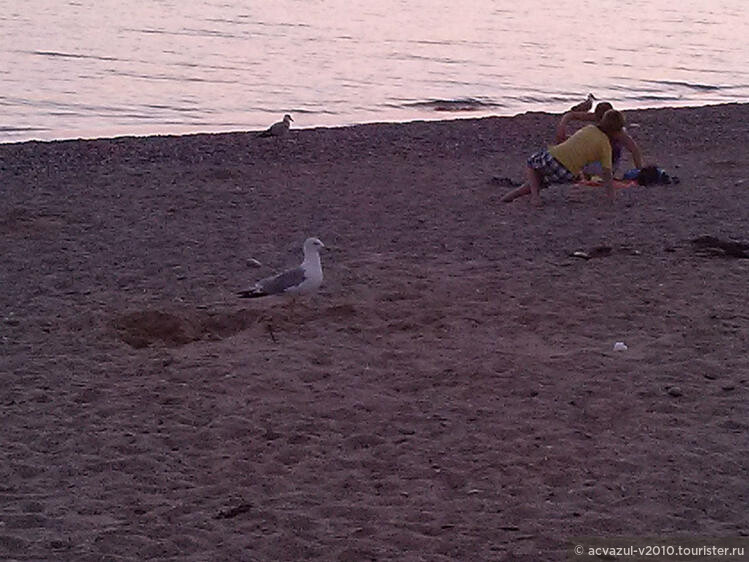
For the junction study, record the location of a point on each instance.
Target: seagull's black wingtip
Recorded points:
(251, 294)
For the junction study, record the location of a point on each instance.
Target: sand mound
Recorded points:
(144, 328)
(175, 328)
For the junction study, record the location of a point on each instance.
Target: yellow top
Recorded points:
(589, 144)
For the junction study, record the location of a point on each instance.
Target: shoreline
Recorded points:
(440, 117)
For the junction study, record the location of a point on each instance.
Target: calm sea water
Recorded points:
(107, 68)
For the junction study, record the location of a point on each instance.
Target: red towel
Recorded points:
(619, 184)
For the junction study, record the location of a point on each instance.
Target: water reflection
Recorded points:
(104, 68)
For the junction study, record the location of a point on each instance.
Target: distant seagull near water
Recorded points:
(584, 105)
(304, 279)
(278, 129)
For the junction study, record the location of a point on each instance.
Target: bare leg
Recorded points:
(534, 179)
(532, 185)
(524, 189)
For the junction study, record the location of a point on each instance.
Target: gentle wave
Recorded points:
(704, 87)
(13, 130)
(462, 104)
(71, 55)
(217, 64)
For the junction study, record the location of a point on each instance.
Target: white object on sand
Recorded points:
(303, 279)
(620, 346)
(278, 129)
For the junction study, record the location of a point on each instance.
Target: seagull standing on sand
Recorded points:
(306, 278)
(278, 129)
(584, 105)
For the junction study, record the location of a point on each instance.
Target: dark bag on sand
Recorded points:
(651, 175)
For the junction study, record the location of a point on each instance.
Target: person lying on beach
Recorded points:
(562, 162)
(622, 140)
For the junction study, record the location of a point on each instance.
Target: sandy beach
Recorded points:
(452, 391)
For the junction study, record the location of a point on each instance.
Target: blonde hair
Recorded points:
(612, 122)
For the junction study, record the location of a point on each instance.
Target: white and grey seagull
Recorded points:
(278, 129)
(306, 278)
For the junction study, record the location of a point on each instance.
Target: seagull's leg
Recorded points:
(269, 327)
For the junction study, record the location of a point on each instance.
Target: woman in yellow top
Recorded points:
(562, 163)
(622, 140)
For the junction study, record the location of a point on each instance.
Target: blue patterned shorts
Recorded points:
(551, 169)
